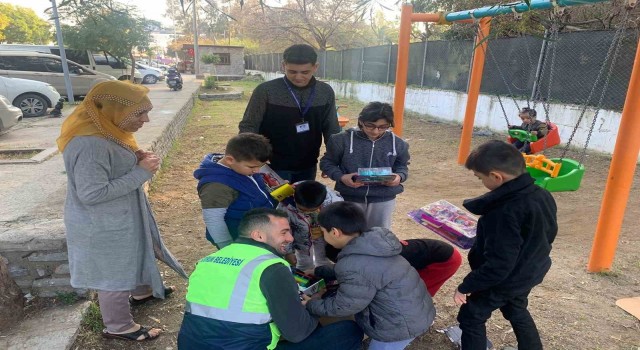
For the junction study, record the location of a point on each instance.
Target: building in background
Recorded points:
(231, 64)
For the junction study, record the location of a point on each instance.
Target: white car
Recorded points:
(150, 75)
(32, 97)
(9, 115)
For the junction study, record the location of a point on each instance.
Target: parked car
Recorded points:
(150, 75)
(47, 68)
(100, 61)
(32, 97)
(9, 115)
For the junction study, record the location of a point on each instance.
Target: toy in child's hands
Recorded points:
(450, 222)
(307, 284)
(271, 178)
(522, 135)
(279, 188)
(374, 176)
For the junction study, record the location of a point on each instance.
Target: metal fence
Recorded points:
(513, 67)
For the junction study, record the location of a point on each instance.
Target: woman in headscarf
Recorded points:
(112, 236)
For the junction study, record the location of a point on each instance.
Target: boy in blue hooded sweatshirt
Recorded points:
(229, 185)
(371, 145)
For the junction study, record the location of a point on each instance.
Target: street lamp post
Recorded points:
(196, 57)
(63, 55)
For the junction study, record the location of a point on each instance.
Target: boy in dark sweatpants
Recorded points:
(511, 253)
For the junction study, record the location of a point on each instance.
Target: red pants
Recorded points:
(434, 275)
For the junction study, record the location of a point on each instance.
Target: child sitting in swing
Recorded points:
(531, 125)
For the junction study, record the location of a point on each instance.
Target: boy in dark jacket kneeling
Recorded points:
(511, 253)
(390, 301)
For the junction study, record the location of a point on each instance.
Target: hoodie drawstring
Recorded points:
(351, 143)
(394, 144)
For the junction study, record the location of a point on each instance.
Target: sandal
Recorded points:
(135, 302)
(143, 331)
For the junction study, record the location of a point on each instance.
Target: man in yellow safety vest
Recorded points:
(244, 296)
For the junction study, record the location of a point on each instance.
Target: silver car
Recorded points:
(47, 68)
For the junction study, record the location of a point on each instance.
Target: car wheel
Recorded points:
(32, 105)
(150, 79)
(123, 78)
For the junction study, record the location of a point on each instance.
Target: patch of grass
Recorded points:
(67, 298)
(11, 155)
(608, 274)
(92, 320)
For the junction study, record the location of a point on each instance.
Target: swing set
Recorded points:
(561, 174)
(555, 174)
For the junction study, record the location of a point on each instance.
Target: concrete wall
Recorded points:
(450, 106)
(237, 60)
(36, 255)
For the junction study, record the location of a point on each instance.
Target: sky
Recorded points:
(151, 9)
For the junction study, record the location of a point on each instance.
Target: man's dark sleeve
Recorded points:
(255, 111)
(330, 123)
(291, 317)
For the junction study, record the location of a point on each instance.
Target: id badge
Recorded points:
(302, 127)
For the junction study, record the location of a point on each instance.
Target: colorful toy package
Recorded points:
(279, 188)
(307, 284)
(452, 223)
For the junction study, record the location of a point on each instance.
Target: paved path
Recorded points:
(33, 194)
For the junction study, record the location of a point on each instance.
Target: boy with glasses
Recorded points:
(370, 145)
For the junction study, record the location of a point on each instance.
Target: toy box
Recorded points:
(307, 284)
(374, 176)
(278, 187)
(452, 223)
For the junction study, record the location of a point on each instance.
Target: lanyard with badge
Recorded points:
(302, 126)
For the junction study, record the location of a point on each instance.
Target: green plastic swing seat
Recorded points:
(568, 179)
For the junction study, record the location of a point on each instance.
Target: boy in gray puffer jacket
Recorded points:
(390, 301)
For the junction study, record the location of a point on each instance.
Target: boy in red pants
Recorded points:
(436, 261)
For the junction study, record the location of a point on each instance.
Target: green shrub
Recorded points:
(210, 82)
(208, 58)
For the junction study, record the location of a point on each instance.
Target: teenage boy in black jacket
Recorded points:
(511, 253)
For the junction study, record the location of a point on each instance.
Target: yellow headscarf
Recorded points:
(105, 110)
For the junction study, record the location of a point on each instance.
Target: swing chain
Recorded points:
(504, 80)
(504, 112)
(612, 54)
(606, 84)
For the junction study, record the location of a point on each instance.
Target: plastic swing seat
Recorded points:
(552, 139)
(568, 177)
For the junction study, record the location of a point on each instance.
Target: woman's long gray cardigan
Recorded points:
(112, 236)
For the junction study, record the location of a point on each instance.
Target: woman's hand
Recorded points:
(394, 182)
(347, 179)
(150, 162)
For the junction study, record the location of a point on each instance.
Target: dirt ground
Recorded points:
(573, 309)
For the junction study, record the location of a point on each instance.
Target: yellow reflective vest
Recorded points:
(225, 286)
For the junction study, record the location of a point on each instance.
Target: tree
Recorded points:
(213, 23)
(108, 26)
(4, 22)
(21, 25)
(386, 32)
(314, 22)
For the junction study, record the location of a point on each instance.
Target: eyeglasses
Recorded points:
(372, 127)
